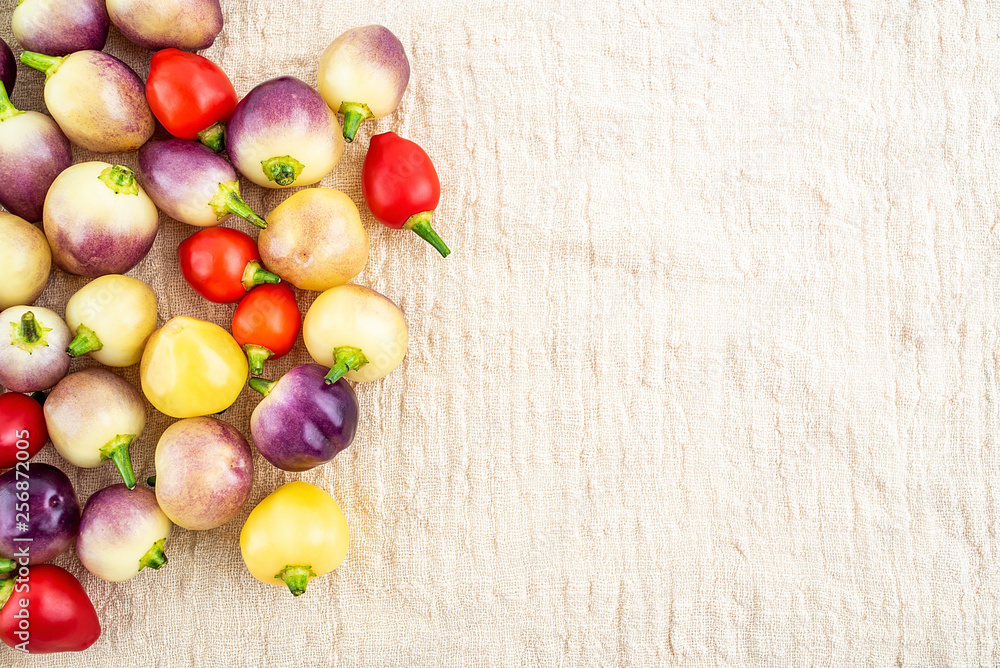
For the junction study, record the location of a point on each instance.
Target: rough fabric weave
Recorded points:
(711, 377)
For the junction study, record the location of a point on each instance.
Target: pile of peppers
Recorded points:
(99, 219)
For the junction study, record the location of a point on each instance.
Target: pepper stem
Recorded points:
(214, 136)
(85, 341)
(6, 589)
(42, 63)
(255, 275)
(283, 170)
(421, 224)
(154, 557)
(28, 334)
(7, 110)
(257, 355)
(354, 113)
(227, 200)
(7, 565)
(262, 385)
(345, 358)
(117, 451)
(29, 328)
(296, 577)
(120, 179)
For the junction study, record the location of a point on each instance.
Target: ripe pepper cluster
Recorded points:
(99, 219)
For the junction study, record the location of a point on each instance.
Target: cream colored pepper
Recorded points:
(357, 332)
(112, 316)
(26, 259)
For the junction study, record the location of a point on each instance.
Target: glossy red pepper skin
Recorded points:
(401, 186)
(222, 264)
(60, 616)
(22, 422)
(269, 318)
(188, 93)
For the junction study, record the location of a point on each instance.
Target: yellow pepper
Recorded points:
(295, 534)
(191, 367)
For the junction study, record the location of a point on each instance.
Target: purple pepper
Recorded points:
(98, 220)
(52, 517)
(8, 67)
(33, 152)
(192, 183)
(33, 344)
(283, 134)
(122, 532)
(60, 27)
(303, 422)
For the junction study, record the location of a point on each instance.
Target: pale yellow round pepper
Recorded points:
(357, 332)
(112, 316)
(191, 367)
(26, 260)
(295, 534)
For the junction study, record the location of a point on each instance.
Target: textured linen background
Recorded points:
(711, 377)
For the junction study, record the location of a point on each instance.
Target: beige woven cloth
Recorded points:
(710, 379)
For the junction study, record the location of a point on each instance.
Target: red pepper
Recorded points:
(401, 188)
(222, 264)
(22, 428)
(46, 610)
(190, 96)
(266, 324)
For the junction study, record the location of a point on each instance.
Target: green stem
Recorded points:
(227, 200)
(39, 396)
(262, 385)
(117, 451)
(214, 136)
(256, 355)
(255, 275)
(283, 170)
(7, 565)
(354, 113)
(42, 63)
(6, 589)
(345, 358)
(296, 577)
(151, 481)
(421, 224)
(85, 341)
(120, 179)
(154, 557)
(7, 110)
(28, 334)
(28, 330)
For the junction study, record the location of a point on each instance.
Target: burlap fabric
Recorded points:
(711, 378)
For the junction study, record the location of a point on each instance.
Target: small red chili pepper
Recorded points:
(222, 264)
(45, 610)
(266, 324)
(401, 188)
(191, 96)
(22, 428)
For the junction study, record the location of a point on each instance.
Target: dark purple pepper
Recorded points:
(303, 422)
(37, 502)
(8, 67)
